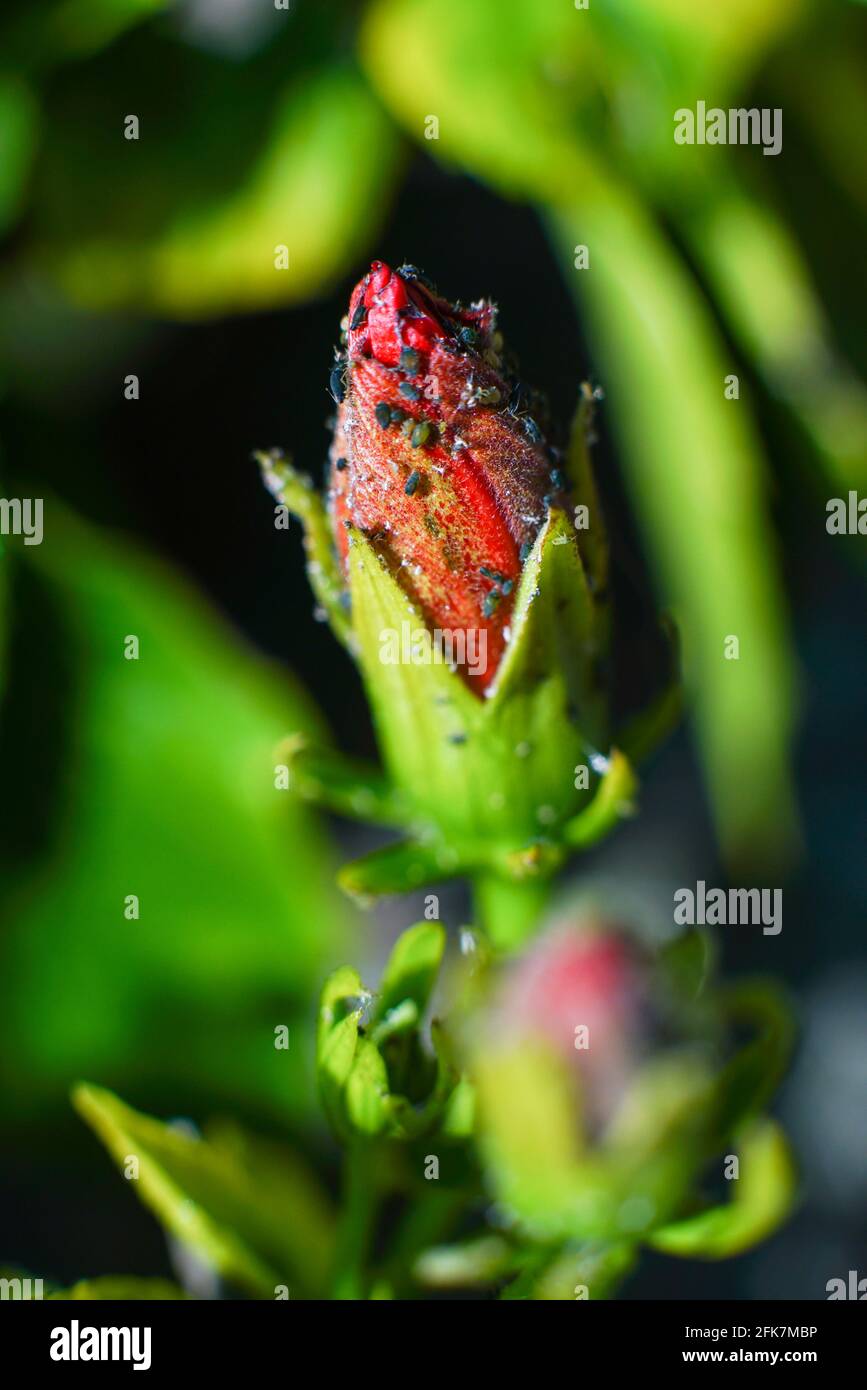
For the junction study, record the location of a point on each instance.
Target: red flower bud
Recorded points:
(586, 994)
(434, 455)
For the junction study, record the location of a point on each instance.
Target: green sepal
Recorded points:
(340, 1007)
(593, 541)
(612, 802)
(490, 774)
(296, 492)
(559, 1185)
(401, 867)
(368, 1103)
(344, 785)
(412, 968)
(749, 1080)
(686, 962)
(763, 1195)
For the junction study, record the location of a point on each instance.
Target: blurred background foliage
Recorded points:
(305, 126)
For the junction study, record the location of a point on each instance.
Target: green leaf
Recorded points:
(259, 1222)
(412, 968)
(157, 781)
(762, 1197)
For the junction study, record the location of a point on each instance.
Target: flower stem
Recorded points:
(509, 910)
(357, 1222)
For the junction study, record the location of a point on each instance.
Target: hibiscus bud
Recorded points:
(609, 1073)
(436, 456)
(583, 992)
(460, 557)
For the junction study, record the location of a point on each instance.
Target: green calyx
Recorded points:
(507, 784)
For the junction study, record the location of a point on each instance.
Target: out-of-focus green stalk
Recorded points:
(695, 477)
(357, 1221)
(763, 288)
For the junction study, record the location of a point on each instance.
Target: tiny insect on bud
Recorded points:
(337, 384)
(421, 434)
(407, 389)
(409, 361)
(412, 482)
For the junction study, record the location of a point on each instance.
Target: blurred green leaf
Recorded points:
(154, 778)
(19, 119)
(36, 38)
(75, 28)
(190, 221)
(762, 1197)
(257, 1218)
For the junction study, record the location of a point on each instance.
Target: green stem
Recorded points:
(509, 910)
(427, 1221)
(357, 1222)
